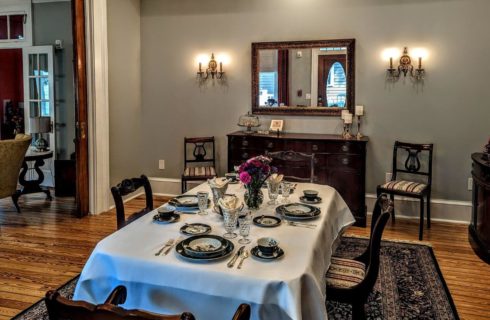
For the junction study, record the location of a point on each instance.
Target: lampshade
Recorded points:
(40, 124)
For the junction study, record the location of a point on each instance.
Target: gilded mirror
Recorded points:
(303, 77)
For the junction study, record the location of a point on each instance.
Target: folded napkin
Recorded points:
(218, 182)
(276, 178)
(230, 203)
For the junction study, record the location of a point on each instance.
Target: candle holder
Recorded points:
(359, 134)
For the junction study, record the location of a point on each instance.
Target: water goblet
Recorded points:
(202, 201)
(230, 219)
(244, 223)
(273, 189)
(286, 191)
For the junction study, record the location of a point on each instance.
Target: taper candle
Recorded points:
(348, 118)
(359, 110)
(344, 113)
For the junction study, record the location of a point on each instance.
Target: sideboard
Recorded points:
(479, 229)
(339, 162)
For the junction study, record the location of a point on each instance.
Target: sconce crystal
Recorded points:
(212, 70)
(405, 67)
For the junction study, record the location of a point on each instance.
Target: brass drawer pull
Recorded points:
(270, 145)
(314, 147)
(244, 143)
(345, 148)
(245, 155)
(345, 161)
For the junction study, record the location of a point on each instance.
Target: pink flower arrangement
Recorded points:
(255, 171)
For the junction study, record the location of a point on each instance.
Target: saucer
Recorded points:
(173, 217)
(317, 200)
(258, 254)
(267, 221)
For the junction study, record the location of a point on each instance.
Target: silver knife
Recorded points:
(235, 257)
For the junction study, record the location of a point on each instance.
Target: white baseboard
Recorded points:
(441, 210)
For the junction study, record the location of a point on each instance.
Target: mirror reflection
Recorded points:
(303, 77)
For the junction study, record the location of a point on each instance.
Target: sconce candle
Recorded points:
(405, 67)
(420, 63)
(212, 70)
(391, 62)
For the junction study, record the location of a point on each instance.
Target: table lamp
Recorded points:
(40, 125)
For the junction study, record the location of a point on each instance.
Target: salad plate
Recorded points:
(267, 221)
(195, 229)
(298, 211)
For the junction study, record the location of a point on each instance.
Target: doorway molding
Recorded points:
(98, 105)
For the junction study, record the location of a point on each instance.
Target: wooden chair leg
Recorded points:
(15, 200)
(392, 198)
(183, 184)
(428, 211)
(421, 226)
(358, 312)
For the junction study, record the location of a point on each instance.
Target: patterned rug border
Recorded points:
(42, 299)
(408, 242)
(416, 242)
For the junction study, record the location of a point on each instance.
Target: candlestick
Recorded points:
(420, 62)
(359, 134)
(221, 67)
(391, 62)
(359, 110)
(200, 67)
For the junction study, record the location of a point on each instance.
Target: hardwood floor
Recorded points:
(45, 246)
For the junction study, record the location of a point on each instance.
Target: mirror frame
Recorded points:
(350, 44)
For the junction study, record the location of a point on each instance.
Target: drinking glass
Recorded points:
(273, 189)
(286, 191)
(202, 201)
(230, 219)
(244, 223)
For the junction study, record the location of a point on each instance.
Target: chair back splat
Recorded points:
(291, 162)
(200, 164)
(126, 187)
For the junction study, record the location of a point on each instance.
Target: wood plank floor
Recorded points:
(45, 246)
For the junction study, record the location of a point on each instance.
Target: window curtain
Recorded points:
(283, 76)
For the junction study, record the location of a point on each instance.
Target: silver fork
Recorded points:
(168, 243)
(299, 224)
(171, 246)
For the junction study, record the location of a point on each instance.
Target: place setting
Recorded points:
(267, 249)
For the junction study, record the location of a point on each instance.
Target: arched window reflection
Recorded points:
(336, 86)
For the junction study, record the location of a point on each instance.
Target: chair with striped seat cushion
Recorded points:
(345, 273)
(352, 280)
(199, 171)
(199, 165)
(405, 186)
(411, 167)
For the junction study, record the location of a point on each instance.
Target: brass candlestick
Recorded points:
(359, 134)
(347, 134)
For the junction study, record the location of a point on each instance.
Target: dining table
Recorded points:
(291, 287)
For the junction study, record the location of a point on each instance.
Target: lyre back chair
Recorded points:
(292, 164)
(201, 165)
(126, 187)
(352, 280)
(411, 167)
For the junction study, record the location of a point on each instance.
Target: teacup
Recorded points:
(267, 246)
(310, 194)
(166, 212)
(231, 176)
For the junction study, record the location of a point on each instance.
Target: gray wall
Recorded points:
(52, 21)
(125, 131)
(299, 77)
(451, 109)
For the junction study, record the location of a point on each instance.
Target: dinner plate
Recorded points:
(303, 199)
(267, 221)
(205, 245)
(183, 254)
(298, 211)
(258, 254)
(195, 229)
(173, 217)
(185, 201)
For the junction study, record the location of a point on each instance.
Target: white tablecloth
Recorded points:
(290, 288)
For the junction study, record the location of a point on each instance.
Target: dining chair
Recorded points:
(128, 186)
(12, 152)
(60, 308)
(352, 280)
(292, 164)
(408, 187)
(200, 166)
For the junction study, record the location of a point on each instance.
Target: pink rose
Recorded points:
(245, 177)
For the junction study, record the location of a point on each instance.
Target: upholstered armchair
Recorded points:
(12, 154)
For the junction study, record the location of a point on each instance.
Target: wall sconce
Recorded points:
(212, 70)
(405, 67)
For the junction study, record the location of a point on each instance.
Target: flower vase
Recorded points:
(253, 198)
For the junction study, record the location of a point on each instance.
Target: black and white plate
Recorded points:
(171, 218)
(298, 211)
(267, 221)
(304, 199)
(195, 229)
(205, 245)
(184, 201)
(258, 254)
(179, 248)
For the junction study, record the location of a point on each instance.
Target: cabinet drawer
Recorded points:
(344, 147)
(340, 161)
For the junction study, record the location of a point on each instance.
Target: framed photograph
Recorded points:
(276, 125)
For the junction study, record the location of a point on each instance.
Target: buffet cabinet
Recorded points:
(339, 163)
(479, 229)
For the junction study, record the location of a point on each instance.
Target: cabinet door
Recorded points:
(347, 183)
